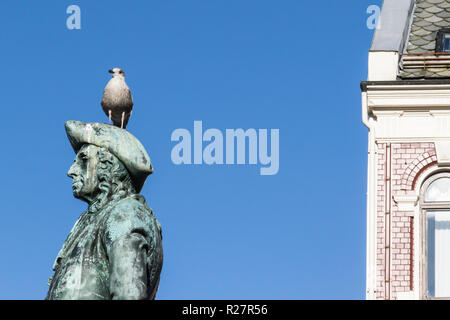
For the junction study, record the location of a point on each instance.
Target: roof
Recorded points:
(392, 31)
(428, 18)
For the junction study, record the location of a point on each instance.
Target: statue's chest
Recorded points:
(82, 264)
(85, 239)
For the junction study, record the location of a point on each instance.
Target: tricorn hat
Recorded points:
(119, 142)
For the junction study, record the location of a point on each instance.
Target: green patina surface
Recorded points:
(114, 250)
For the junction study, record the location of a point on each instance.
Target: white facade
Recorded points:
(408, 150)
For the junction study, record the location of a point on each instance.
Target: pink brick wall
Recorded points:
(407, 162)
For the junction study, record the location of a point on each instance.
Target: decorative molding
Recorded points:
(416, 167)
(415, 99)
(406, 202)
(422, 97)
(412, 124)
(443, 152)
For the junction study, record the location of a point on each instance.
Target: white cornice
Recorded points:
(414, 97)
(400, 86)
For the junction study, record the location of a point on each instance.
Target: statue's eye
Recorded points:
(83, 156)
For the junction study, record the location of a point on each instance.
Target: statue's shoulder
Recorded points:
(129, 215)
(135, 202)
(131, 208)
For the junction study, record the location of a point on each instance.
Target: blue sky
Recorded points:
(229, 233)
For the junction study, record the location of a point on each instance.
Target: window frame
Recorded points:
(440, 36)
(426, 207)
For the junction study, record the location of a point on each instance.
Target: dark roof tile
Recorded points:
(428, 18)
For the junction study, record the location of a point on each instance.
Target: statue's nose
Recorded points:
(72, 171)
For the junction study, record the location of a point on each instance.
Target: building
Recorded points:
(406, 108)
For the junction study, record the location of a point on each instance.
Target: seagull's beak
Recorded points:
(110, 71)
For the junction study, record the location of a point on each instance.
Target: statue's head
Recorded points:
(110, 163)
(99, 176)
(84, 173)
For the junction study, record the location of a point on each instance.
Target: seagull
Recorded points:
(117, 102)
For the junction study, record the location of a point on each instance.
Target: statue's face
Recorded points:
(84, 173)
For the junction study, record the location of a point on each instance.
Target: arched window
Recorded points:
(435, 203)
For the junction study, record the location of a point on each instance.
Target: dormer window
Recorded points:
(443, 41)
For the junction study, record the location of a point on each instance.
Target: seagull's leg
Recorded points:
(123, 117)
(109, 116)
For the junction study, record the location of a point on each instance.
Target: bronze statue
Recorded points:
(114, 250)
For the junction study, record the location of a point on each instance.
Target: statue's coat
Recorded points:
(115, 253)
